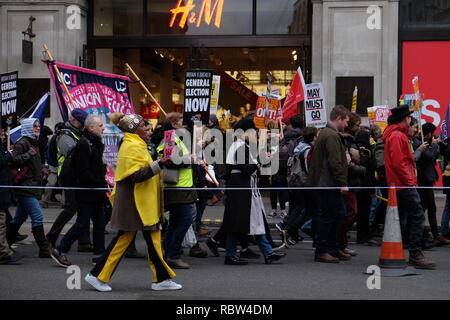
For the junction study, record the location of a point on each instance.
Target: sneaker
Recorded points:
(279, 247)
(235, 261)
(274, 256)
(213, 247)
(249, 254)
(60, 258)
(97, 284)
(291, 241)
(12, 258)
(166, 285)
(279, 226)
(273, 214)
(351, 252)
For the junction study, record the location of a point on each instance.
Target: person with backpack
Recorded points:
(52, 162)
(27, 172)
(279, 180)
(89, 170)
(60, 147)
(297, 171)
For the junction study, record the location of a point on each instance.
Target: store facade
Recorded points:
(241, 40)
(424, 51)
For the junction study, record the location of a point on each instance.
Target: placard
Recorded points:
(8, 97)
(215, 90)
(315, 112)
(197, 96)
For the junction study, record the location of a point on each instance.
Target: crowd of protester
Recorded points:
(344, 167)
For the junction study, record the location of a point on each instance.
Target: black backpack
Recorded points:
(52, 151)
(67, 176)
(286, 150)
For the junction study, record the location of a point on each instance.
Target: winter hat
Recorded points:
(27, 127)
(126, 122)
(79, 114)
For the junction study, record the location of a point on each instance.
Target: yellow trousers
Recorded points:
(105, 268)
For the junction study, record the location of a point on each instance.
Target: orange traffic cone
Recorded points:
(392, 260)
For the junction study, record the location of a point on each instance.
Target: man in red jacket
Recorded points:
(401, 172)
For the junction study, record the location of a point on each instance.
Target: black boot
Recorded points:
(11, 233)
(41, 240)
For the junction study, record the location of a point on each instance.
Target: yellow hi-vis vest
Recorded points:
(60, 157)
(185, 179)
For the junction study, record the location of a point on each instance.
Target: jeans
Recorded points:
(28, 206)
(374, 206)
(180, 219)
(429, 204)
(412, 217)
(86, 212)
(445, 217)
(200, 206)
(261, 240)
(330, 221)
(70, 209)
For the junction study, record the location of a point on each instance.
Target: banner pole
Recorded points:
(145, 88)
(8, 140)
(47, 51)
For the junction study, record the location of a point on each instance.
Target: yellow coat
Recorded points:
(133, 156)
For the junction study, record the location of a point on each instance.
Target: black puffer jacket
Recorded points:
(6, 195)
(26, 153)
(89, 168)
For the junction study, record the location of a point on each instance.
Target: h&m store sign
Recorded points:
(197, 12)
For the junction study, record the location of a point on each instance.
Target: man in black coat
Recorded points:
(427, 176)
(89, 170)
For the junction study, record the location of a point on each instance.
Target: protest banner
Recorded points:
(215, 90)
(98, 93)
(197, 96)
(260, 113)
(315, 112)
(267, 109)
(295, 95)
(381, 115)
(445, 124)
(8, 98)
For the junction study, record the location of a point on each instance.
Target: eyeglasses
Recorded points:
(37, 126)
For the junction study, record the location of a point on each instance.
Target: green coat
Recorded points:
(328, 167)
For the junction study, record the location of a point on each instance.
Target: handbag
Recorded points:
(18, 174)
(171, 176)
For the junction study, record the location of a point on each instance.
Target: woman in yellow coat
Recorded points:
(136, 201)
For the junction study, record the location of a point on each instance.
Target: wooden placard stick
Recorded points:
(145, 88)
(49, 54)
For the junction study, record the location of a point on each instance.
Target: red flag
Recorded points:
(295, 95)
